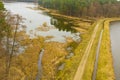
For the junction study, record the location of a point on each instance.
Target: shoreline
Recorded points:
(105, 54)
(74, 20)
(110, 58)
(57, 14)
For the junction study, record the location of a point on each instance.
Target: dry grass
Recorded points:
(25, 65)
(105, 64)
(80, 24)
(91, 59)
(54, 53)
(2, 63)
(72, 64)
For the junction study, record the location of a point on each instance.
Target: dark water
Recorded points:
(115, 43)
(36, 18)
(40, 65)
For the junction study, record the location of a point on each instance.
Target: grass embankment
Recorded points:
(72, 64)
(105, 67)
(91, 59)
(105, 64)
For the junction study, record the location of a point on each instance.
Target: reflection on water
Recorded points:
(36, 18)
(115, 44)
(63, 25)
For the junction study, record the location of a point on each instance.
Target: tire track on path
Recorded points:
(81, 67)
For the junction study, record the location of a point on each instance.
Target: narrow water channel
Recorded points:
(115, 44)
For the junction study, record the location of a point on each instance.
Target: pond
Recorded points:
(115, 44)
(58, 28)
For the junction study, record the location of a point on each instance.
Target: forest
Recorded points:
(84, 8)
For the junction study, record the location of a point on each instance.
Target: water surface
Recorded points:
(115, 44)
(36, 18)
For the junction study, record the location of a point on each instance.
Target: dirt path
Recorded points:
(81, 67)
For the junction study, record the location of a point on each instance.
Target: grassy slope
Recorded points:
(105, 64)
(91, 59)
(72, 64)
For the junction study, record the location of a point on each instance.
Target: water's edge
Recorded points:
(115, 45)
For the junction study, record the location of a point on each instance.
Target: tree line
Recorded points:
(9, 24)
(84, 8)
